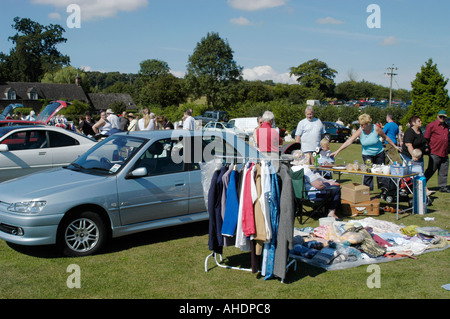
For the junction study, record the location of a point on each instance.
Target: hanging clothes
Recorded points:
(213, 242)
(285, 237)
(274, 204)
(260, 235)
(255, 208)
(249, 197)
(231, 214)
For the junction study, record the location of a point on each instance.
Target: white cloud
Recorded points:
(253, 5)
(329, 20)
(392, 40)
(240, 21)
(266, 72)
(91, 9)
(54, 16)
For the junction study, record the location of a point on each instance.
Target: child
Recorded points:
(325, 158)
(325, 152)
(417, 165)
(417, 162)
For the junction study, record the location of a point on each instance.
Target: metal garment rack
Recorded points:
(293, 261)
(214, 255)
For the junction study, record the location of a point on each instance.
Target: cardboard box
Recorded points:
(355, 193)
(370, 208)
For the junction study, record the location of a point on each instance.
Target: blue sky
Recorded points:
(267, 36)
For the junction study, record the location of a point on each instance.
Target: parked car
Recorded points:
(43, 118)
(128, 183)
(31, 148)
(226, 127)
(215, 116)
(8, 110)
(336, 132)
(247, 124)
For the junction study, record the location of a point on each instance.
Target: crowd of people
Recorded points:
(110, 123)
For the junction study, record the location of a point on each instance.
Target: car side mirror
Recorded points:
(4, 148)
(138, 172)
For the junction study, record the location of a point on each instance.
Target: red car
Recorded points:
(43, 118)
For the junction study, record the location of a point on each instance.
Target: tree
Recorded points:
(211, 70)
(315, 74)
(35, 51)
(164, 91)
(428, 94)
(151, 69)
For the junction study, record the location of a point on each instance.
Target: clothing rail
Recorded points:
(213, 254)
(289, 262)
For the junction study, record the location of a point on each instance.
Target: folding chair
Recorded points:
(306, 198)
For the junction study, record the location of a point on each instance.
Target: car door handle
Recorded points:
(179, 184)
(42, 153)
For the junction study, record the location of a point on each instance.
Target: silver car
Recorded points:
(128, 183)
(31, 148)
(225, 127)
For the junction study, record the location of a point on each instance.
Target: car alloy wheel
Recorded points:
(83, 234)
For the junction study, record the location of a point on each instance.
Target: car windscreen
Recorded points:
(109, 156)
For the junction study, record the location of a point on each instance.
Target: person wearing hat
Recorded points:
(436, 133)
(133, 122)
(114, 120)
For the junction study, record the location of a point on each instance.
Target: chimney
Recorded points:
(78, 80)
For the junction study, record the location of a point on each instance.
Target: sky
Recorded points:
(359, 39)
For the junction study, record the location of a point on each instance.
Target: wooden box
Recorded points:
(369, 208)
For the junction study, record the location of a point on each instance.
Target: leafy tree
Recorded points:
(315, 74)
(35, 51)
(164, 91)
(428, 94)
(211, 70)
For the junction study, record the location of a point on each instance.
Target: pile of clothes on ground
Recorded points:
(340, 245)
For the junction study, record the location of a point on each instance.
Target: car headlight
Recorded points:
(31, 207)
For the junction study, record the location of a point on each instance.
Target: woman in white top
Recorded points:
(146, 123)
(102, 126)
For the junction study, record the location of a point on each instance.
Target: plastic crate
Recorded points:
(399, 170)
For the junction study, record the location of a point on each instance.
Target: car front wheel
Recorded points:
(82, 234)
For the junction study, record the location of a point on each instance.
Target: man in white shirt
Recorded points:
(309, 131)
(113, 119)
(189, 121)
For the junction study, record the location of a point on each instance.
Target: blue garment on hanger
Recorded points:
(230, 218)
(273, 199)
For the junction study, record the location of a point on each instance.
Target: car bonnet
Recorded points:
(46, 183)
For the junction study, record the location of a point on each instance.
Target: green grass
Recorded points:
(169, 264)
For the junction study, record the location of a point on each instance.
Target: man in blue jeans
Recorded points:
(391, 129)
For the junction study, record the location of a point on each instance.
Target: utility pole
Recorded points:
(391, 74)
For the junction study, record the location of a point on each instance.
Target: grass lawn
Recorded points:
(169, 264)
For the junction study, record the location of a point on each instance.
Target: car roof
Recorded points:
(6, 129)
(165, 133)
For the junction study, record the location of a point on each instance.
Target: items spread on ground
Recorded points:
(340, 245)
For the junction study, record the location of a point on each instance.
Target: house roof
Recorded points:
(49, 91)
(102, 101)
